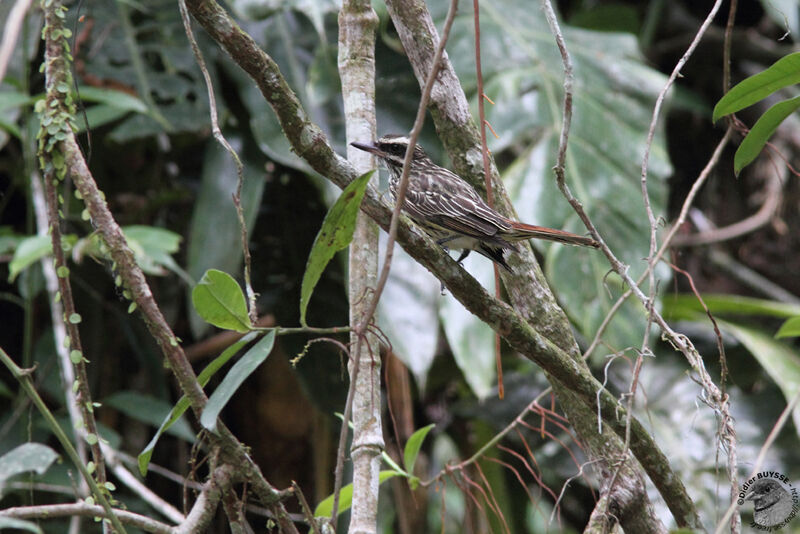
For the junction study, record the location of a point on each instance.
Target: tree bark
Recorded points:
(357, 23)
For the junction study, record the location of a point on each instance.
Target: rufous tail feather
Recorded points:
(524, 231)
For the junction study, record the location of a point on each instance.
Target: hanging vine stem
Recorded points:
(217, 132)
(487, 177)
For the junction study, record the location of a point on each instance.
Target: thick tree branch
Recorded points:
(310, 143)
(61, 156)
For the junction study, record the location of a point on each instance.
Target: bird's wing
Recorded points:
(448, 201)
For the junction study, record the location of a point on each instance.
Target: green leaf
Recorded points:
(471, 340)
(214, 215)
(408, 313)
(183, 403)
(97, 116)
(19, 524)
(686, 306)
(413, 446)
(13, 99)
(153, 248)
(149, 410)
(234, 379)
(614, 93)
(780, 362)
(782, 73)
(28, 251)
(335, 234)
(111, 97)
(26, 457)
(325, 507)
(32, 249)
(791, 328)
(220, 301)
(761, 131)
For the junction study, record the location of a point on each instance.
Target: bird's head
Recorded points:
(392, 150)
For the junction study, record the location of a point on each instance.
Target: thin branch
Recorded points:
(783, 419)
(67, 372)
(138, 487)
(310, 143)
(16, 17)
(487, 174)
(24, 379)
(369, 312)
(217, 132)
(749, 224)
(48, 511)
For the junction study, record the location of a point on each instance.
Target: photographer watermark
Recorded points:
(775, 500)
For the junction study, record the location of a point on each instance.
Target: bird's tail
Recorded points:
(521, 231)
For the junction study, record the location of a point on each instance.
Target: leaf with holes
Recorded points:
(335, 235)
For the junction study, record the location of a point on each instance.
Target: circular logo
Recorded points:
(775, 501)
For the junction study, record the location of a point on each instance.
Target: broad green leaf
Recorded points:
(408, 312)
(335, 235)
(149, 410)
(183, 403)
(214, 214)
(13, 99)
(99, 115)
(29, 250)
(791, 328)
(470, 339)
(413, 446)
(234, 379)
(761, 131)
(220, 301)
(19, 524)
(113, 98)
(32, 249)
(26, 457)
(686, 306)
(782, 73)
(153, 247)
(778, 359)
(325, 507)
(614, 92)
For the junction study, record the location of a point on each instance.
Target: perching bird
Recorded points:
(451, 211)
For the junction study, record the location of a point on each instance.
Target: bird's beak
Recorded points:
(367, 147)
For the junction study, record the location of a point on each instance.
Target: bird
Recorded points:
(451, 211)
(772, 503)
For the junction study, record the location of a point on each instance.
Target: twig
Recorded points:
(217, 132)
(762, 454)
(47, 511)
(11, 31)
(57, 107)
(403, 184)
(24, 379)
(307, 512)
(487, 174)
(760, 218)
(59, 328)
(139, 488)
(361, 328)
